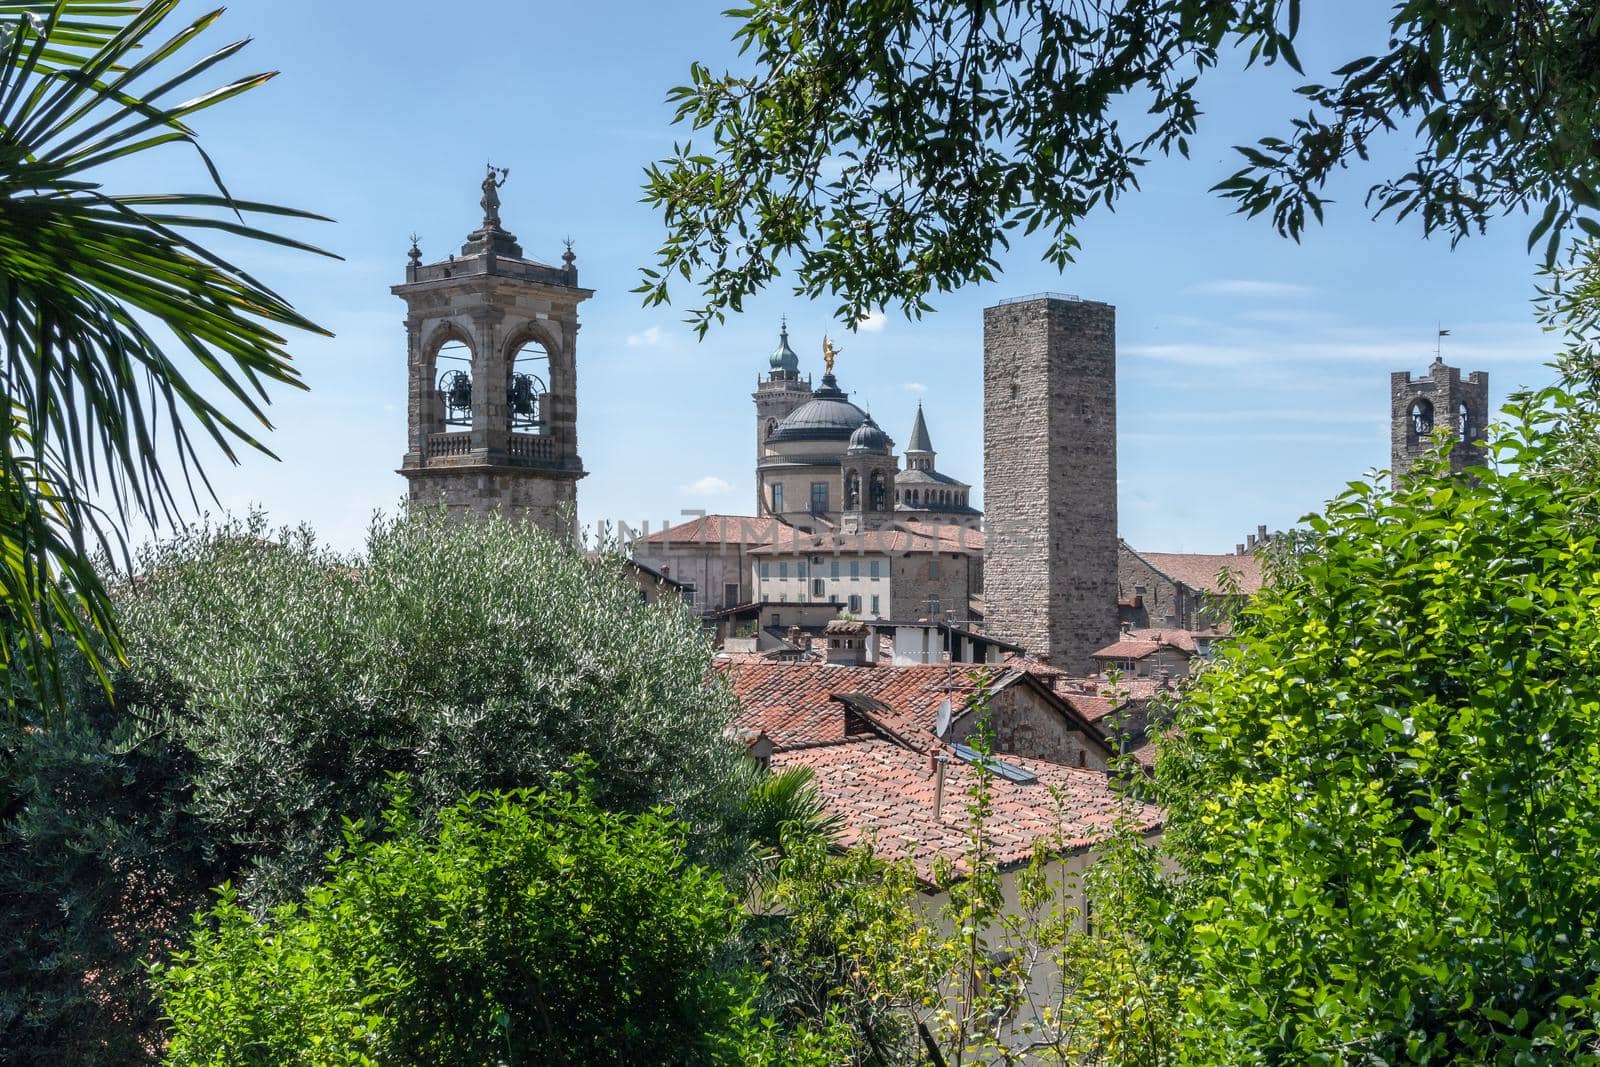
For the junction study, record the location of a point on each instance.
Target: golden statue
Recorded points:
(829, 353)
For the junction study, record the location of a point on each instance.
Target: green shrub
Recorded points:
(469, 656)
(536, 928)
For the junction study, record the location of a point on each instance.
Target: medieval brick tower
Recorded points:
(1050, 475)
(492, 349)
(1440, 405)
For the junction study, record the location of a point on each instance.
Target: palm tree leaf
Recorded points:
(93, 397)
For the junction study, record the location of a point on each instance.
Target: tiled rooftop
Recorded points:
(944, 537)
(792, 703)
(885, 793)
(1199, 572)
(721, 529)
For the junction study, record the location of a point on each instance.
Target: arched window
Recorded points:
(1421, 415)
(852, 491)
(1464, 426)
(452, 365)
(528, 388)
(879, 495)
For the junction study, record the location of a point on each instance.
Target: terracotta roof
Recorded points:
(793, 704)
(1091, 707)
(1131, 647)
(721, 529)
(1182, 640)
(885, 792)
(796, 704)
(941, 537)
(1199, 572)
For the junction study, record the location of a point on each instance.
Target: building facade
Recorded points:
(822, 462)
(709, 557)
(1186, 590)
(492, 404)
(1050, 475)
(911, 572)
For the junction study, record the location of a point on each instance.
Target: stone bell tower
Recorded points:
(492, 352)
(1438, 405)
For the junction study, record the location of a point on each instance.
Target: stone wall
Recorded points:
(1050, 476)
(1026, 724)
(950, 577)
(1164, 603)
(551, 503)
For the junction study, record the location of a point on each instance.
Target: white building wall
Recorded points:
(801, 579)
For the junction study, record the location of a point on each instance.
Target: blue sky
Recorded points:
(1253, 372)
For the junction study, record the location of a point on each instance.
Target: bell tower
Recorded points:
(776, 395)
(1438, 405)
(492, 356)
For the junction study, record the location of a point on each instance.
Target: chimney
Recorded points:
(1238, 550)
(847, 642)
(1251, 540)
(1261, 534)
(797, 637)
(938, 786)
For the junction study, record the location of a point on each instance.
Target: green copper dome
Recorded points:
(783, 359)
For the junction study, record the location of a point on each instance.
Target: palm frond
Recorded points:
(92, 394)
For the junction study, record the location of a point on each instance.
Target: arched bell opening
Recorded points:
(528, 387)
(447, 363)
(852, 491)
(1419, 420)
(1466, 428)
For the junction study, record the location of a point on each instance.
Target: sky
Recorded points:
(1252, 371)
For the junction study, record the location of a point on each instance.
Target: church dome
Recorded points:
(870, 438)
(827, 416)
(783, 359)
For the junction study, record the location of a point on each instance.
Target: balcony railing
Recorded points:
(532, 446)
(528, 447)
(449, 444)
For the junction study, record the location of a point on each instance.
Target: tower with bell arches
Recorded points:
(491, 340)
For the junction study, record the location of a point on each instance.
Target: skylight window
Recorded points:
(1009, 771)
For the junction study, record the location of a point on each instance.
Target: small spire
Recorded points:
(568, 257)
(415, 255)
(920, 441)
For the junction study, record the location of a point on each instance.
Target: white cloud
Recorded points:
(874, 322)
(647, 338)
(710, 485)
(1247, 287)
(1481, 345)
(915, 387)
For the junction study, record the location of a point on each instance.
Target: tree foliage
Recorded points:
(892, 148)
(272, 689)
(535, 928)
(1381, 798)
(102, 864)
(99, 292)
(469, 656)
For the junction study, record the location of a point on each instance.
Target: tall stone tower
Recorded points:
(1422, 410)
(492, 342)
(1050, 475)
(776, 395)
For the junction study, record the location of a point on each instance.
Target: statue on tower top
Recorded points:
(491, 195)
(829, 353)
